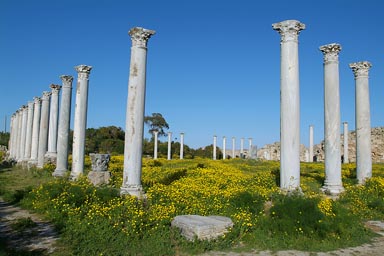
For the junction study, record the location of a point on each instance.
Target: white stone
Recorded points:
(333, 183)
(289, 104)
(53, 124)
(214, 147)
(28, 140)
(169, 153)
(202, 227)
(35, 130)
(224, 142)
(80, 123)
(155, 134)
(63, 127)
(43, 129)
(134, 121)
(363, 121)
(310, 144)
(181, 145)
(345, 143)
(23, 137)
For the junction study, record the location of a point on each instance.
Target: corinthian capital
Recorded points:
(331, 52)
(37, 100)
(67, 80)
(360, 69)
(55, 88)
(83, 71)
(289, 29)
(46, 95)
(140, 36)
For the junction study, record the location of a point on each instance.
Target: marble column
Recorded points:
(80, 123)
(35, 130)
(43, 131)
(155, 140)
(310, 144)
(12, 136)
(134, 124)
(64, 126)
(169, 155)
(289, 104)
(233, 147)
(182, 145)
(28, 140)
(18, 135)
(363, 121)
(23, 137)
(332, 184)
(346, 156)
(241, 147)
(224, 142)
(250, 148)
(214, 146)
(53, 123)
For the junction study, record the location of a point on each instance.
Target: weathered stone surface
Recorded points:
(202, 227)
(100, 162)
(99, 178)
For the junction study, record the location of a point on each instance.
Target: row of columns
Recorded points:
(214, 157)
(169, 155)
(290, 116)
(40, 134)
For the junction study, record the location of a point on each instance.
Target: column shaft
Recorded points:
(181, 145)
(64, 126)
(214, 147)
(35, 130)
(23, 137)
(169, 155)
(43, 131)
(233, 147)
(310, 144)
(363, 121)
(28, 141)
(332, 184)
(53, 123)
(224, 145)
(289, 104)
(155, 140)
(346, 154)
(134, 124)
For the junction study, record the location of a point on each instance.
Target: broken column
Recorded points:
(214, 146)
(63, 127)
(289, 104)
(182, 145)
(310, 144)
(135, 112)
(80, 123)
(332, 184)
(363, 121)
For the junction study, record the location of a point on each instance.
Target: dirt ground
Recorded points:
(41, 238)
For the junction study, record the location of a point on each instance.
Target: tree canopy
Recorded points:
(156, 122)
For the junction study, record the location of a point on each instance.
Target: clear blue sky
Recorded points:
(213, 67)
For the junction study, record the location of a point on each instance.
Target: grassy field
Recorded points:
(97, 221)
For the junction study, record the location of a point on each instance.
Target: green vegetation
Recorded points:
(97, 221)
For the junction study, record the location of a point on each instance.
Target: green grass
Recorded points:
(92, 221)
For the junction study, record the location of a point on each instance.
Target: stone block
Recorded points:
(202, 227)
(99, 178)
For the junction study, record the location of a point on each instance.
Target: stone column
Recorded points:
(214, 146)
(134, 124)
(28, 140)
(43, 131)
(80, 123)
(233, 147)
(289, 104)
(35, 130)
(346, 156)
(310, 144)
(155, 140)
(250, 148)
(241, 147)
(23, 137)
(332, 184)
(169, 155)
(224, 142)
(19, 114)
(53, 123)
(182, 145)
(12, 136)
(363, 121)
(63, 128)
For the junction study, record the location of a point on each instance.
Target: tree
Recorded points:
(156, 122)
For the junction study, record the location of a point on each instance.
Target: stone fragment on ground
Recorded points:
(202, 227)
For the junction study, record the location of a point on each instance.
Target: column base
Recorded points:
(133, 190)
(50, 158)
(332, 190)
(60, 173)
(292, 191)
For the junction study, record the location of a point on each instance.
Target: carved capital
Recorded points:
(289, 30)
(30, 104)
(37, 100)
(55, 88)
(140, 36)
(67, 81)
(46, 96)
(331, 52)
(83, 71)
(360, 69)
